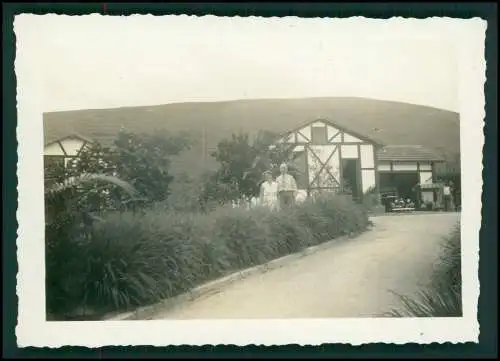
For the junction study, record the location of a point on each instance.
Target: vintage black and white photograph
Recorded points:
(211, 171)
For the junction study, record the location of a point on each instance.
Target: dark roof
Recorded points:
(384, 122)
(407, 153)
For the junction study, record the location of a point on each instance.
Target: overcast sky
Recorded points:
(103, 62)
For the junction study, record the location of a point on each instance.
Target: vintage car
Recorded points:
(395, 203)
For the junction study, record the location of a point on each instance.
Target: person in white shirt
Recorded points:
(287, 188)
(268, 192)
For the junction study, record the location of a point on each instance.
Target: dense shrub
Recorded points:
(343, 215)
(371, 200)
(443, 297)
(331, 216)
(130, 259)
(248, 241)
(69, 219)
(288, 235)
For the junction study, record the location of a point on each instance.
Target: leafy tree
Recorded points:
(270, 155)
(142, 160)
(96, 197)
(218, 189)
(242, 163)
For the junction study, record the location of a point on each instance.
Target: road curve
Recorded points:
(350, 279)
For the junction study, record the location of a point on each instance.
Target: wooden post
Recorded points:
(375, 167)
(306, 152)
(359, 183)
(341, 168)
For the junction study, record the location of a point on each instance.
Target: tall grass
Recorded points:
(443, 297)
(69, 216)
(132, 259)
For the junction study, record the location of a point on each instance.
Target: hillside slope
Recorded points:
(383, 121)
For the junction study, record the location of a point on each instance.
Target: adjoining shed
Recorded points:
(403, 167)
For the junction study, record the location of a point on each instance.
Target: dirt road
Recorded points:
(350, 279)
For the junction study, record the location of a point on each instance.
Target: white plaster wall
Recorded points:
(331, 131)
(425, 166)
(367, 156)
(306, 131)
(318, 124)
(351, 139)
(53, 149)
(349, 151)
(367, 179)
(425, 177)
(405, 166)
(302, 138)
(72, 145)
(335, 165)
(336, 139)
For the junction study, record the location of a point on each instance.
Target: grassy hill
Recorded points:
(383, 121)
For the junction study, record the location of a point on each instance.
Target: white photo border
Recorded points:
(34, 330)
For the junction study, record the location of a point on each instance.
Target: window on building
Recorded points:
(318, 135)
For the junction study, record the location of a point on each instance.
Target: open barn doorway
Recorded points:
(350, 178)
(299, 169)
(404, 183)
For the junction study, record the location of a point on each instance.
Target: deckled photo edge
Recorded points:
(33, 330)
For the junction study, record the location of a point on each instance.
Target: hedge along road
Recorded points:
(350, 279)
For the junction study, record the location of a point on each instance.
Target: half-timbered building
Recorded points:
(331, 158)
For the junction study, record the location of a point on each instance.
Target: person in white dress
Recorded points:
(269, 192)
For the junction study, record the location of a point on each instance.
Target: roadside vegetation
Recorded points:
(443, 297)
(122, 231)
